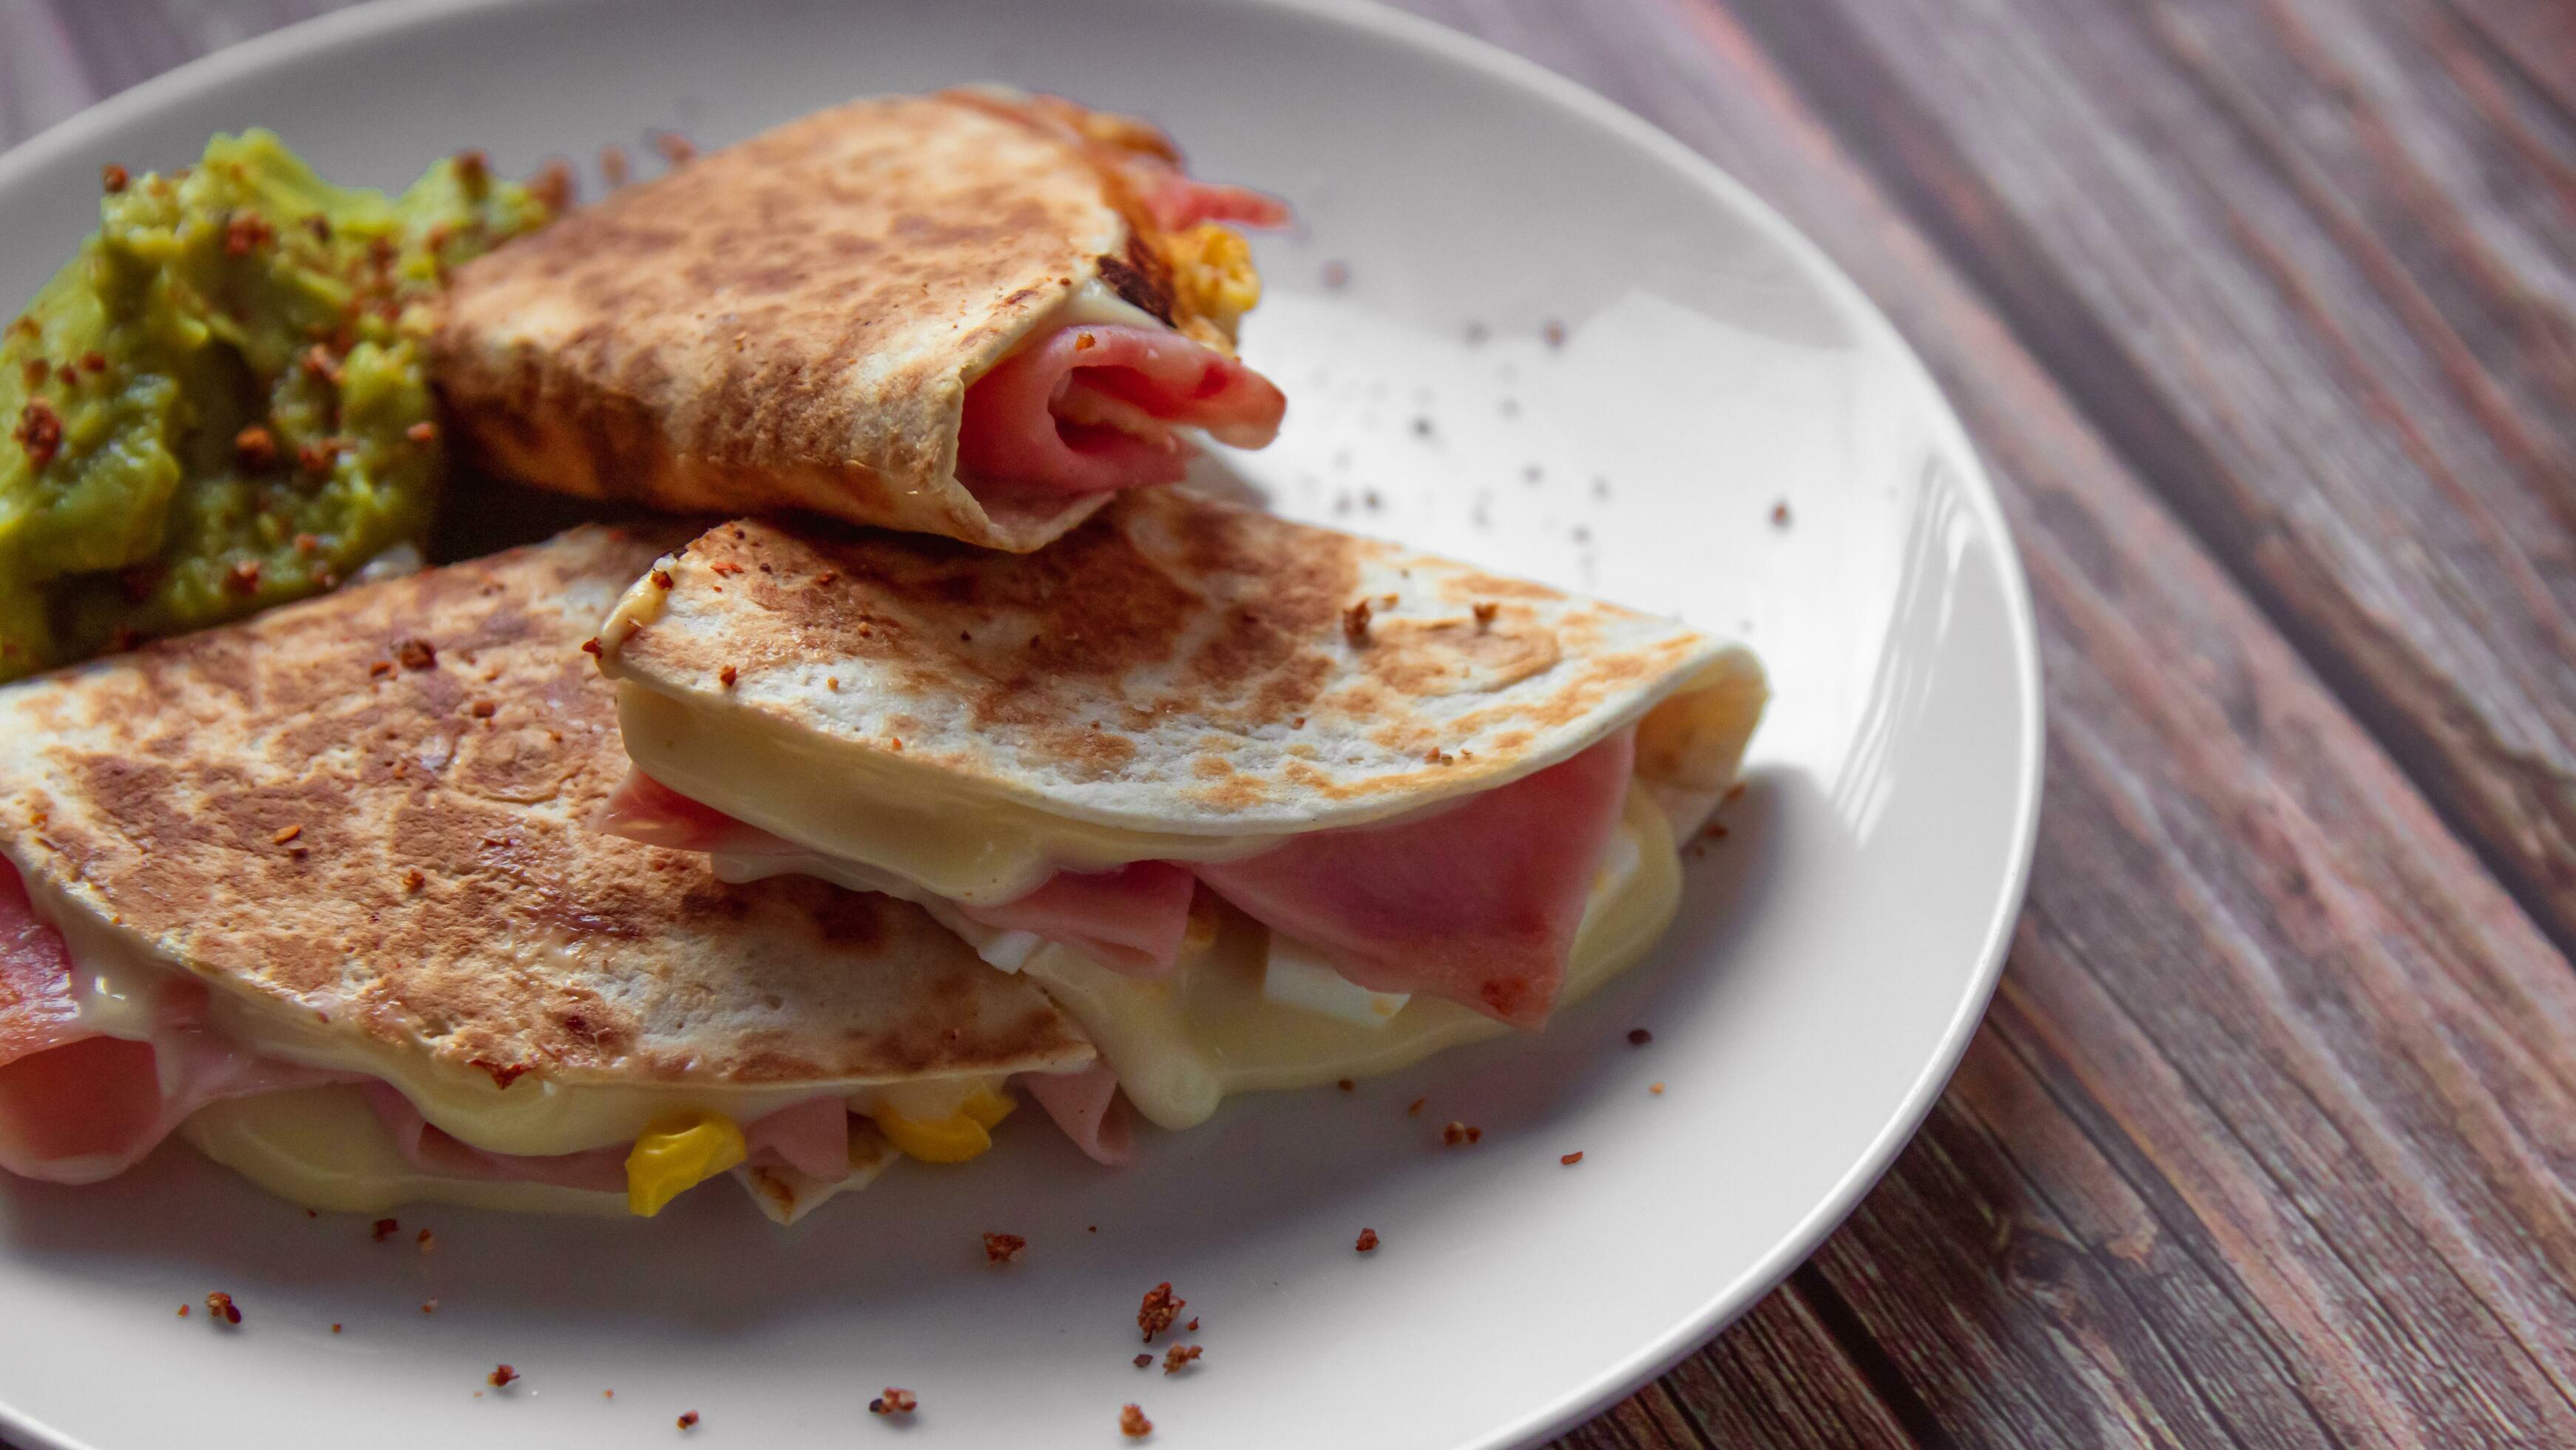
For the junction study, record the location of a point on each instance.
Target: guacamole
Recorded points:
(219, 405)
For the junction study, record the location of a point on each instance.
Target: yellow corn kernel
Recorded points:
(1213, 274)
(988, 1106)
(676, 1154)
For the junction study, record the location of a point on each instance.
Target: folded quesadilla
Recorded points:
(977, 313)
(319, 893)
(1260, 803)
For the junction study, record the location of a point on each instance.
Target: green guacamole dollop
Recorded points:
(219, 405)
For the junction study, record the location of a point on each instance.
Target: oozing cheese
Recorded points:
(872, 809)
(325, 1148)
(117, 978)
(1217, 1026)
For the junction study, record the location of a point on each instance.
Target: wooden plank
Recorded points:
(2313, 274)
(2281, 1064)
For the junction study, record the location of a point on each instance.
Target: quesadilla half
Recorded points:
(1261, 803)
(319, 892)
(977, 313)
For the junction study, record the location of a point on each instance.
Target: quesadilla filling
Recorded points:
(1289, 962)
(104, 1054)
(1090, 401)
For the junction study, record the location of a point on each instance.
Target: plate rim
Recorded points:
(371, 19)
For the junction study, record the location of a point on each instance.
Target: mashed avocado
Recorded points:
(219, 404)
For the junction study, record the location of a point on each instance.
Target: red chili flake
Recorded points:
(243, 578)
(1367, 1242)
(308, 544)
(245, 233)
(688, 1419)
(1570, 1159)
(502, 1074)
(415, 654)
(1180, 1355)
(1133, 1424)
(501, 1375)
(553, 184)
(727, 676)
(473, 172)
(33, 372)
(661, 578)
(725, 567)
(183, 1313)
(1656, 1088)
(317, 456)
(894, 1402)
(1457, 1134)
(220, 1305)
(428, 1306)
(1160, 1308)
(1142, 1360)
(896, 741)
(423, 432)
(1639, 1037)
(40, 432)
(412, 879)
(481, 709)
(335, 1328)
(114, 177)
(827, 576)
(1083, 341)
(1346, 1085)
(1192, 1326)
(320, 363)
(590, 646)
(93, 362)
(384, 1228)
(286, 834)
(1414, 1108)
(1355, 623)
(1485, 613)
(1003, 1248)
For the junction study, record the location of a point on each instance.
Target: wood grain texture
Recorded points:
(2310, 267)
(2260, 311)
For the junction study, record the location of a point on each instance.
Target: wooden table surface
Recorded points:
(2264, 312)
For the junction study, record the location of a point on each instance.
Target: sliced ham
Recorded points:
(1087, 1106)
(1180, 202)
(77, 1107)
(643, 809)
(1478, 903)
(1132, 918)
(1088, 409)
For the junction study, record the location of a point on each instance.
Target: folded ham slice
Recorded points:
(1477, 903)
(77, 1107)
(1088, 409)
(1131, 919)
(1087, 1106)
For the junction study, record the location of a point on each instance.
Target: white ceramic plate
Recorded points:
(1831, 960)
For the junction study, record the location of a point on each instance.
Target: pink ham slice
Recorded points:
(1087, 1106)
(76, 1107)
(1131, 919)
(1478, 903)
(812, 1137)
(1088, 409)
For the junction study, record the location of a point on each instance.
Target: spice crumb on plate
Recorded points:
(1570, 1159)
(1179, 1356)
(1459, 1134)
(892, 1401)
(1003, 1248)
(1367, 1241)
(688, 1419)
(1160, 1308)
(1133, 1424)
(220, 1305)
(501, 1376)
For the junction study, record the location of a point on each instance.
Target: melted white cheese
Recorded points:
(1181, 1044)
(116, 979)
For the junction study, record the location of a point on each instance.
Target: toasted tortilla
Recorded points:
(366, 816)
(1178, 666)
(791, 322)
